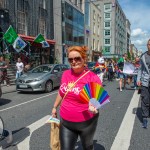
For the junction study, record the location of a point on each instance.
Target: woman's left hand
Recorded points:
(92, 109)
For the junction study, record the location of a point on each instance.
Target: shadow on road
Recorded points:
(137, 111)
(97, 146)
(18, 136)
(4, 101)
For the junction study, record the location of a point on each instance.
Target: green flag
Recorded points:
(10, 36)
(40, 39)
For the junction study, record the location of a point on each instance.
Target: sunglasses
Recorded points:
(76, 59)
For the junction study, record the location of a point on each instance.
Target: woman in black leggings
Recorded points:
(69, 132)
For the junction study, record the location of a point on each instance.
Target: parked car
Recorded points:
(91, 65)
(41, 78)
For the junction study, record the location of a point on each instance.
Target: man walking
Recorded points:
(3, 71)
(143, 80)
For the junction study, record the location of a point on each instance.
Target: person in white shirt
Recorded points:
(20, 68)
(101, 62)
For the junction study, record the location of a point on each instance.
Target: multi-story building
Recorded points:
(29, 18)
(114, 39)
(128, 35)
(133, 51)
(92, 30)
(72, 24)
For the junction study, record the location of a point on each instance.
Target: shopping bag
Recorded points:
(54, 136)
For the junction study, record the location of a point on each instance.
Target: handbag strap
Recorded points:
(74, 84)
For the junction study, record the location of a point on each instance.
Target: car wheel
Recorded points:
(48, 86)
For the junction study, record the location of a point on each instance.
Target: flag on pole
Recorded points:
(40, 39)
(12, 38)
(10, 35)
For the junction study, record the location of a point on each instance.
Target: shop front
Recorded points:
(36, 53)
(95, 55)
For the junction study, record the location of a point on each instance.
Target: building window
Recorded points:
(80, 4)
(94, 28)
(76, 2)
(107, 41)
(107, 7)
(42, 4)
(107, 24)
(42, 27)
(94, 15)
(2, 3)
(21, 20)
(98, 30)
(107, 15)
(107, 32)
(107, 49)
(93, 44)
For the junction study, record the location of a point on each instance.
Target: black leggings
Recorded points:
(69, 132)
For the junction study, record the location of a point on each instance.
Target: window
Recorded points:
(98, 30)
(107, 49)
(2, 3)
(21, 20)
(42, 27)
(94, 28)
(107, 7)
(107, 15)
(107, 24)
(107, 41)
(94, 15)
(93, 44)
(107, 32)
(42, 4)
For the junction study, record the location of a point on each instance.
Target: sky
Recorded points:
(138, 13)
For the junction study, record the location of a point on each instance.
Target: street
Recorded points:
(119, 125)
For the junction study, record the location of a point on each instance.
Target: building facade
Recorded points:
(29, 18)
(92, 30)
(114, 39)
(72, 25)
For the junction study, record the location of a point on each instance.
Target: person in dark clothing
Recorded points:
(143, 80)
(110, 70)
(3, 71)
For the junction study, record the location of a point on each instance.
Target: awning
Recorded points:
(31, 39)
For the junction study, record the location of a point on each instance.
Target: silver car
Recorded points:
(42, 78)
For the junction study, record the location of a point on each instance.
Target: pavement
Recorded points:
(8, 89)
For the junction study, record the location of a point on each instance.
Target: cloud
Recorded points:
(138, 32)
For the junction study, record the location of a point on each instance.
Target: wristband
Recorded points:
(55, 107)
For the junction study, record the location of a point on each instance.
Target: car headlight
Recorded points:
(37, 79)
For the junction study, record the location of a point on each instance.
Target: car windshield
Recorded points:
(42, 69)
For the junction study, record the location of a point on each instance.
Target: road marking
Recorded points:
(25, 144)
(122, 140)
(27, 102)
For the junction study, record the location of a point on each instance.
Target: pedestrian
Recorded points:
(3, 71)
(143, 80)
(20, 68)
(122, 76)
(101, 62)
(76, 119)
(137, 65)
(110, 70)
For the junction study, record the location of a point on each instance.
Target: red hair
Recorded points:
(81, 49)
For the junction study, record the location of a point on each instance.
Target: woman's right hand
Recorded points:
(54, 113)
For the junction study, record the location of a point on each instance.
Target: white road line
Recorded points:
(27, 102)
(122, 140)
(25, 144)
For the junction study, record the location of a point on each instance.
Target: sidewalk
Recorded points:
(8, 89)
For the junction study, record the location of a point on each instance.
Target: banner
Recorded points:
(130, 69)
(19, 44)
